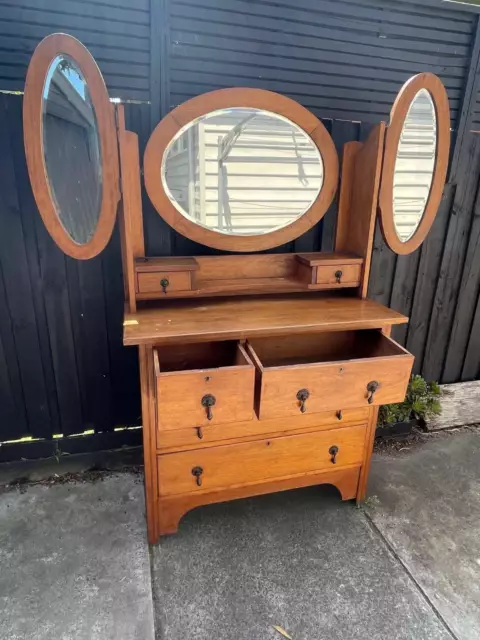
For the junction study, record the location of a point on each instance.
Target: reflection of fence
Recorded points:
(63, 368)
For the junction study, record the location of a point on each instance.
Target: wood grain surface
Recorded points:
(250, 462)
(238, 318)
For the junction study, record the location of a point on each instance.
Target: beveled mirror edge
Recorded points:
(276, 103)
(431, 83)
(45, 53)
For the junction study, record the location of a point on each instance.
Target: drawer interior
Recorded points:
(322, 347)
(199, 356)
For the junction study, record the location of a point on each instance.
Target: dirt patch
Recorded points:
(95, 474)
(416, 439)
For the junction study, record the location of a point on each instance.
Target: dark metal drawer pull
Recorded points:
(197, 472)
(208, 401)
(371, 388)
(164, 282)
(199, 432)
(333, 451)
(338, 276)
(339, 414)
(302, 396)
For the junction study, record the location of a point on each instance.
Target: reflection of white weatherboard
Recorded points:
(414, 165)
(242, 171)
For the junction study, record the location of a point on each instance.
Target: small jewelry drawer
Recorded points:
(203, 384)
(251, 462)
(343, 274)
(164, 281)
(329, 271)
(312, 373)
(157, 277)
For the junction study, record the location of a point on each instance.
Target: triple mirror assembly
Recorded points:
(237, 169)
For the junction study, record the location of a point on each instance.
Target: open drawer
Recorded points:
(324, 371)
(200, 384)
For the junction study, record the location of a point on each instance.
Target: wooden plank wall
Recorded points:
(62, 366)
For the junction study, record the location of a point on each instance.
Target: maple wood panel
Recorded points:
(211, 434)
(183, 382)
(172, 508)
(239, 318)
(336, 371)
(250, 462)
(151, 282)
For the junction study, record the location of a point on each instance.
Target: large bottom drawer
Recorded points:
(250, 462)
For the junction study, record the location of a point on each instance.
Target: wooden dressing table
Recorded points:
(259, 372)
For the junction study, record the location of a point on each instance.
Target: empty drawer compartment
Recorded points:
(202, 384)
(324, 371)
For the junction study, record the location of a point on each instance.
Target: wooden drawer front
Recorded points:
(192, 437)
(230, 381)
(343, 274)
(151, 282)
(251, 462)
(366, 360)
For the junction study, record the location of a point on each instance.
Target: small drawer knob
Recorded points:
(338, 276)
(208, 401)
(333, 451)
(164, 282)
(372, 387)
(339, 414)
(302, 397)
(197, 473)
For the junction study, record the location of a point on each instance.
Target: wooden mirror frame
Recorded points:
(43, 56)
(407, 93)
(276, 103)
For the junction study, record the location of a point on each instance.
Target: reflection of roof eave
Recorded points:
(82, 109)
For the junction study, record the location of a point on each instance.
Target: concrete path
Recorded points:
(408, 567)
(429, 512)
(75, 565)
(74, 562)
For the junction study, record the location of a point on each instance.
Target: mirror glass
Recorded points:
(71, 149)
(242, 171)
(414, 165)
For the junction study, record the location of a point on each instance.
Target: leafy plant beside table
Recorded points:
(421, 403)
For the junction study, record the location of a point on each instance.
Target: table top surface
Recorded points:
(237, 318)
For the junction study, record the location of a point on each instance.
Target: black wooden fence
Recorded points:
(63, 369)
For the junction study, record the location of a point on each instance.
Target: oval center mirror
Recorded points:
(71, 149)
(414, 165)
(242, 171)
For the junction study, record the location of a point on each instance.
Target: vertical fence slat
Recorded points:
(426, 281)
(17, 284)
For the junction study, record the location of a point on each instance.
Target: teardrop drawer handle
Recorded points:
(164, 282)
(302, 396)
(372, 387)
(197, 473)
(333, 451)
(208, 401)
(338, 276)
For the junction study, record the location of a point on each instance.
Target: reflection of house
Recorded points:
(244, 171)
(72, 154)
(414, 165)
